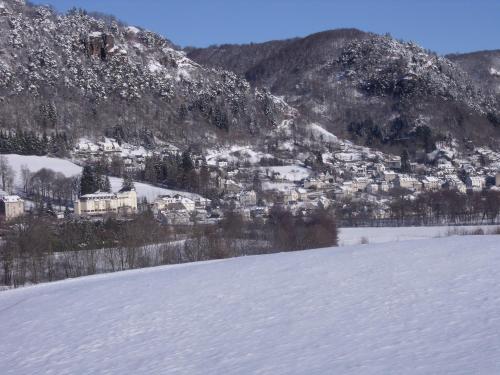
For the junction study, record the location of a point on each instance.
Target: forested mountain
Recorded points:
(483, 67)
(82, 74)
(373, 89)
(88, 74)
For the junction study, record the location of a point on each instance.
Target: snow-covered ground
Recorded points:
(234, 154)
(294, 173)
(69, 169)
(410, 307)
(354, 236)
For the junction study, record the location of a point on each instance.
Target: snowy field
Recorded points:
(69, 169)
(354, 236)
(294, 173)
(409, 307)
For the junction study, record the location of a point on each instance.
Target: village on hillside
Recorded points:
(207, 183)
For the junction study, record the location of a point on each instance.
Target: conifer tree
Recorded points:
(128, 182)
(88, 183)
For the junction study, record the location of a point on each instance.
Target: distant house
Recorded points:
(408, 182)
(497, 179)
(360, 183)
(101, 203)
(430, 183)
(11, 206)
(384, 186)
(372, 188)
(173, 203)
(313, 183)
(109, 146)
(290, 196)
(232, 187)
(394, 162)
(247, 198)
(452, 182)
(380, 168)
(389, 176)
(222, 163)
(202, 203)
(475, 183)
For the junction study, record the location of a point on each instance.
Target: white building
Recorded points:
(408, 182)
(475, 183)
(109, 146)
(11, 206)
(384, 186)
(360, 183)
(454, 183)
(202, 203)
(290, 195)
(313, 183)
(389, 176)
(372, 188)
(173, 203)
(394, 162)
(100, 203)
(247, 198)
(431, 183)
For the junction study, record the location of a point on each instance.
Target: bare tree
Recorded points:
(7, 174)
(26, 178)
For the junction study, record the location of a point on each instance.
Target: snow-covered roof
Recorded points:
(11, 198)
(98, 195)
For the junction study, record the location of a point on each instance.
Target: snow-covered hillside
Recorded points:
(414, 307)
(69, 169)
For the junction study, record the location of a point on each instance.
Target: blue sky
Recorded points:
(444, 26)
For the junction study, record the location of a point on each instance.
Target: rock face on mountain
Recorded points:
(370, 88)
(90, 75)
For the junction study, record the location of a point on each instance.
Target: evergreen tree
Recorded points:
(405, 161)
(204, 177)
(106, 185)
(88, 183)
(128, 182)
(187, 162)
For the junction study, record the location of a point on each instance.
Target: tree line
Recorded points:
(39, 248)
(31, 143)
(427, 208)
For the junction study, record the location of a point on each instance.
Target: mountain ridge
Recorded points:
(87, 75)
(379, 74)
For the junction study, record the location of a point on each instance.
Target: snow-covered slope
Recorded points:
(354, 236)
(69, 169)
(415, 307)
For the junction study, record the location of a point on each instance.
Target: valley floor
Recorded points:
(408, 307)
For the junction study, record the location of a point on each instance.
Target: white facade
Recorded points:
(11, 206)
(106, 203)
(290, 196)
(476, 183)
(454, 183)
(173, 203)
(408, 182)
(389, 176)
(247, 198)
(313, 183)
(431, 183)
(360, 183)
